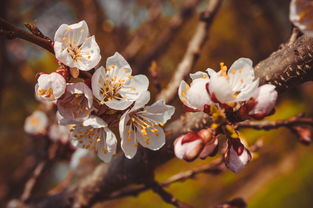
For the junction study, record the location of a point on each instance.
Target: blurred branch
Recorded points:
(10, 31)
(193, 51)
(167, 35)
(139, 39)
(268, 125)
(37, 173)
(166, 196)
(215, 167)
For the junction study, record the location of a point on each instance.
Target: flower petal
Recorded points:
(152, 141)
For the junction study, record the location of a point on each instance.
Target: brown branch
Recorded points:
(193, 51)
(10, 31)
(137, 42)
(166, 196)
(268, 125)
(164, 39)
(38, 172)
(215, 167)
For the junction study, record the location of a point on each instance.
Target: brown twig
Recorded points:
(10, 31)
(268, 125)
(166, 196)
(164, 39)
(193, 51)
(37, 173)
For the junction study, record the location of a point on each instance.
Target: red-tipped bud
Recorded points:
(237, 155)
(195, 144)
(304, 134)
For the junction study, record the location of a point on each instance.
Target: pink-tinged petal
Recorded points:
(265, 97)
(134, 87)
(236, 162)
(187, 150)
(221, 89)
(95, 122)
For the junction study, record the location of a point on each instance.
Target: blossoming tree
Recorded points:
(104, 111)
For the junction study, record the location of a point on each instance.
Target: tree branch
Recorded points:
(167, 35)
(193, 51)
(10, 31)
(268, 125)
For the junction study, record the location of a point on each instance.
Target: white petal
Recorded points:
(265, 97)
(118, 104)
(134, 87)
(128, 146)
(155, 142)
(237, 162)
(90, 54)
(211, 72)
(95, 122)
(117, 60)
(142, 100)
(97, 82)
(159, 112)
(198, 75)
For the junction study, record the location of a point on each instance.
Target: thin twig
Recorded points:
(165, 38)
(166, 196)
(37, 173)
(10, 31)
(268, 125)
(193, 51)
(215, 167)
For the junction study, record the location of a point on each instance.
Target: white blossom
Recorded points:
(50, 87)
(265, 97)
(76, 104)
(142, 125)
(36, 123)
(301, 15)
(235, 84)
(75, 48)
(114, 86)
(195, 96)
(59, 133)
(93, 133)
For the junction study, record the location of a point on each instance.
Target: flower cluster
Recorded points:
(109, 97)
(301, 15)
(228, 96)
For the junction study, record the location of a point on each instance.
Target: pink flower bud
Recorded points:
(237, 155)
(265, 97)
(188, 146)
(59, 133)
(304, 134)
(195, 144)
(50, 87)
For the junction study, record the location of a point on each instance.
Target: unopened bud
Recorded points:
(304, 134)
(237, 155)
(195, 144)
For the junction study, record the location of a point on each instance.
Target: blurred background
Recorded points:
(281, 176)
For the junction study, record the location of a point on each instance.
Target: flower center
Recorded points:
(143, 125)
(46, 93)
(112, 85)
(89, 138)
